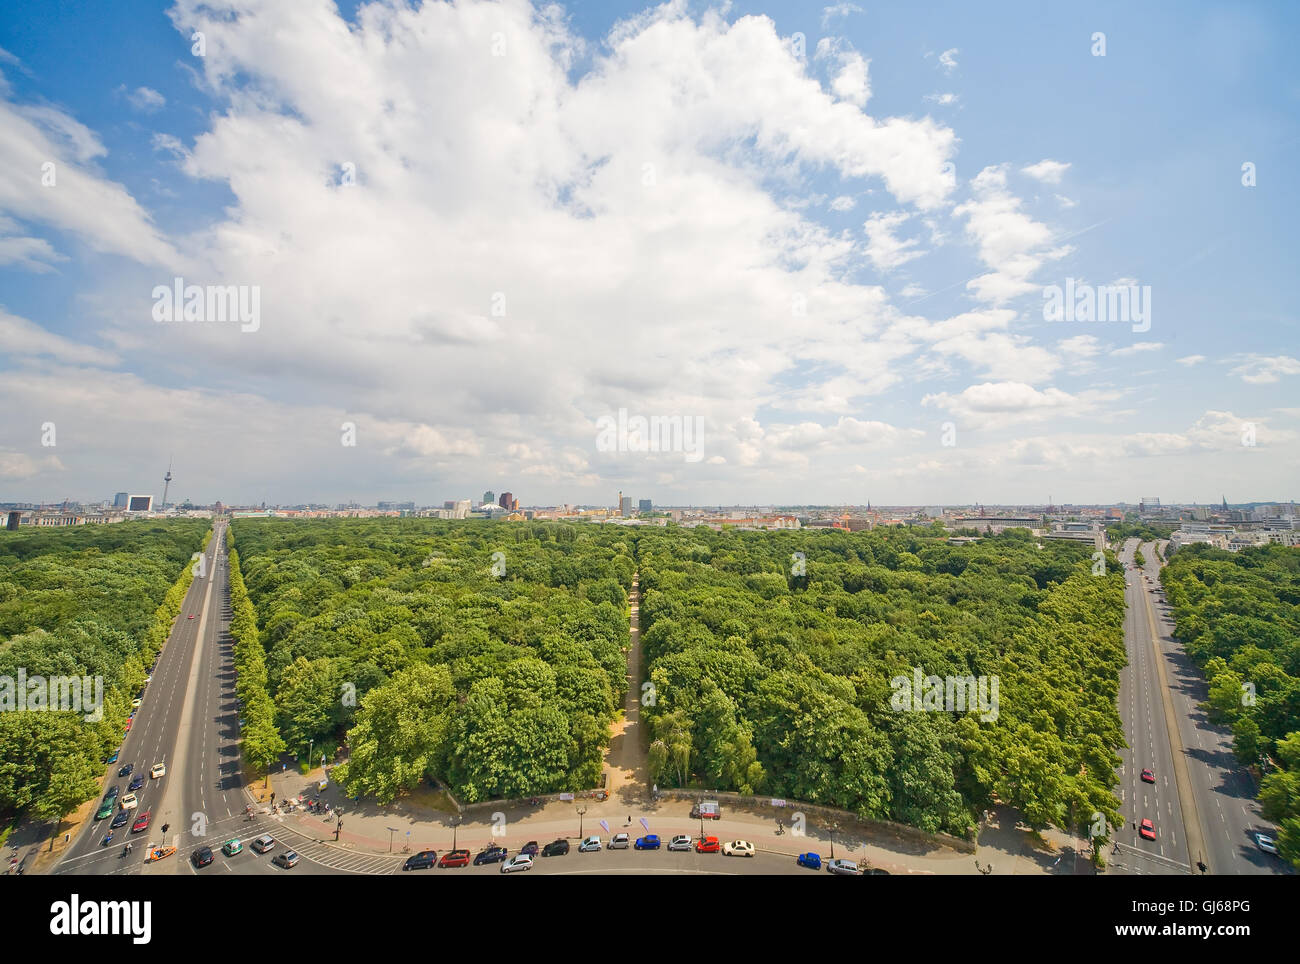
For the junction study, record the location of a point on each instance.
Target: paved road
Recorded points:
(1224, 790)
(152, 739)
(1147, 734)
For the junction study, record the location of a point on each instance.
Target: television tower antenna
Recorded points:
(167, 481)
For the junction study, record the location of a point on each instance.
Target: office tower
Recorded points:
(488, 497)
(645, 505)
(507, 500)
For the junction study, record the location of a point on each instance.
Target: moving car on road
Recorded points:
(159, 770)
(1148, 776)
(141, 823)
(1266, 843)
(106, 808)
(263, 844)
(285, 859)
(137, 782)
(738, 848)
(126, 769)
(129, 802)
(120, 819)
(1147, 829)
(232, 847)
(202, 857)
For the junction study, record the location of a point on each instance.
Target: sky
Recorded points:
(848, 252)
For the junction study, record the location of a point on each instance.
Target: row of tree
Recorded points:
(777, 660)
(1238, 615)
(94, 601)
(490, 655)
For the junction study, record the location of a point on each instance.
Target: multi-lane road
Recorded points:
(1202, 802)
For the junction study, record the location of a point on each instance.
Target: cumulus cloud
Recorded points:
(948, 60)
(1264, 369)
(1047, 171)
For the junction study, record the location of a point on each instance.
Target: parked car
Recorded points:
(517, 862)
(590, 845)
(455, 858)
(680, 842)
(135, 704)
(1147, 829)
(141, 823)
(529, 849)
(556, 848)
(618, 842)
(285, 859)
(232, 846)
(707, 845)
(263, 844)
(421, 861)
(116, 754)
(738, 848)
(492, 855)
(1266, 843)
(202, 857)
(649, 842)
(810, 860)
(843, 868)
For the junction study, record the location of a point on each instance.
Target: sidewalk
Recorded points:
(1006, 846)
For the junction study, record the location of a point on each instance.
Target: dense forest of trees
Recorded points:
(491, 655)
(772, 656)
(1238, 614)
(84, 602)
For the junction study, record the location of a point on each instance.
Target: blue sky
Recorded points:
(564, 211)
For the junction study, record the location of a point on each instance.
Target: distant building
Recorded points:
(119, 500)
(507, 500)
(645, 505)
(1149, 505)
(625, 505)
(140, 503)
(489, 498)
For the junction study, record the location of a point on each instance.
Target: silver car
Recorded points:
(845, 868)
(680, 842)
(618, 842)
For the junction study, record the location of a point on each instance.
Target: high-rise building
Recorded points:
(645, 505)
(624, 505)
(119, 500)
(140, 503)
(507, 500)
(488, 497)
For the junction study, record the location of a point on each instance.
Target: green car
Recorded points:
(232, 847)
(105, 809)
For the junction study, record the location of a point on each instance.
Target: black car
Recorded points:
(529, 849)
(421, 861)
(112, 793)
(137, 782)
(556, 848)
(120, 818)
(126, 769)
(493, 855)
(202, 857)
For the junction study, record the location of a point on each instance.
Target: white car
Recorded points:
(135, 704)
(129, 802)
(159, 770)
(738, 848)
(1266, 843)
(148, 679)
(517, 862)
(680, 842)
(618, 842)
(590, 845)
(843, 868)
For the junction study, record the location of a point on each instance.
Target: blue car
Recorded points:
(113, 758)
(648, 842)
(811, 861)
(137, 782)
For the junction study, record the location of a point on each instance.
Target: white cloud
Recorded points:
(146, 99)
(943, 100)
(1010, 242)
(842, 203)
(1136, 348)
(1047, 171)
(1264, 369)
(1190, 360)
(948, 60)
(883, 248)
(838, 10)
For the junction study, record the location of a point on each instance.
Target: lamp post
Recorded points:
(391, 831)
(455, 822)
(834, 829)
(581, 811)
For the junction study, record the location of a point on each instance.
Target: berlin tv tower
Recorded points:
(167, 479)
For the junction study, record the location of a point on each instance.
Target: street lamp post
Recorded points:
(391, 831)
(834, 829)
(455, 822)
(581, 811)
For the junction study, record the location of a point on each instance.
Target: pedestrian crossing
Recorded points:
(333, 856)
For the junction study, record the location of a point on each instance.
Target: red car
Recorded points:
(129, 721)
(454, 858)
(1148, 776)
(1147, 829)
(141, 823)
(191, 615)
(708, 845)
